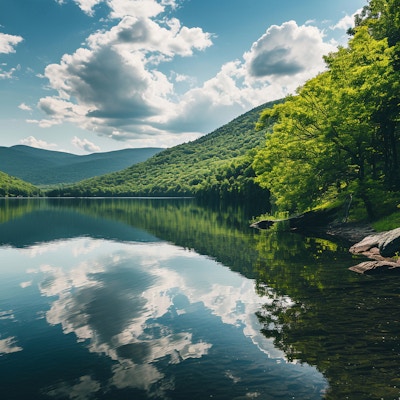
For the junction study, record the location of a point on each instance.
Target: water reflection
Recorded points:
(8, 345)
(139, 317)
(118, 298)
(124, 303)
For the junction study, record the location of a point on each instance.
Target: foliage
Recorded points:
(232, 180)
(215, 165)
(12, 187)
(339, 136)
(391, 221)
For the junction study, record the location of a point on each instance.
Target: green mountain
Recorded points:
(12, 187)
(215, 165)
(45, 167)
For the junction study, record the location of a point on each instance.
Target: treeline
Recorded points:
(217, 166)
(13, 187)
(338, 138)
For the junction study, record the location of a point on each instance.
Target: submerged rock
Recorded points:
(376, 267)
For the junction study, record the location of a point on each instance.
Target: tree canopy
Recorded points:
(339, 135)
(12, 187)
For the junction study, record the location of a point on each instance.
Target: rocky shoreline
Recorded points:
(382, 249)
(351, 232)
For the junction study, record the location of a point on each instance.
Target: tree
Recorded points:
(328, 140)
(382, 19)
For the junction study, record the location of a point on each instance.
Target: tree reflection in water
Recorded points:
(319, 312)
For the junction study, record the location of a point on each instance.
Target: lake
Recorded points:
(169, 299)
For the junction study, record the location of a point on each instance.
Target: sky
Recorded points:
(87, 76)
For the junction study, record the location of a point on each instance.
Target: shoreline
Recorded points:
(352, 232)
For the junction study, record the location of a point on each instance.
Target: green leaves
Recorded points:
(339, 134)
(12, 187)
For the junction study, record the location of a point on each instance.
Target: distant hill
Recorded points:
(45, 167)
(13, 187)
(217, 163)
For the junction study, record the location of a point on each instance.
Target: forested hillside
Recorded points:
(46, 167)
(12, 187)
(217, 165)
(337, 140)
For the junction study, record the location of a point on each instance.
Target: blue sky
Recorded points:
(99, 75)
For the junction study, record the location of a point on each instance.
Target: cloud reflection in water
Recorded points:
(118, 299)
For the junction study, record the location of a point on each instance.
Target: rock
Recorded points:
(351, 232)
(376, 267)
(380, 248)
(366, 244)
(387, 242)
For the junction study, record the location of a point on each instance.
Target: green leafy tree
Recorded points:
(332, 139)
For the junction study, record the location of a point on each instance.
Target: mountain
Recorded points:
(217, 163)
(10, 186)
(45, 167)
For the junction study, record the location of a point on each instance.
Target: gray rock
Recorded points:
(387, 242)
(376, 267)
(366, 244)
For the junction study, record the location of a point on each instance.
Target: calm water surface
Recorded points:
(166, 299)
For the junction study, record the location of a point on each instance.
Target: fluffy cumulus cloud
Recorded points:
(8, 43)
(112, 85)
(115, 87)
(287, 50)
(277, 64)
(7, 46)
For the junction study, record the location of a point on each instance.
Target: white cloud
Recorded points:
(121, 8)
(84, 144)
(7, 74)
(136, 8)
(346, 22)
(87, 5)
(40, 144)
(114, 86)
(287, 50)
(24, 107)
(277, 64)
(8, 42)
